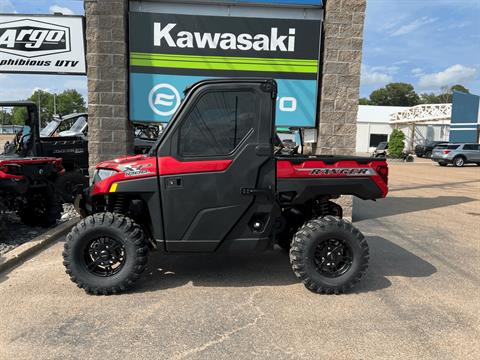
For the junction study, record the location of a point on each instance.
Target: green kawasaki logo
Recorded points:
(232, 63)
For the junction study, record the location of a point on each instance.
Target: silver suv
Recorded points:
(456, 154)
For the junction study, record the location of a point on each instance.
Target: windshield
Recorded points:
(382, 146)
(79, 125)
(49, 129)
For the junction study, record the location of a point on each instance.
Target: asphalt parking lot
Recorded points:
(419, 300)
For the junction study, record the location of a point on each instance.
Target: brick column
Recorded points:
(342, 55)
(110, 132)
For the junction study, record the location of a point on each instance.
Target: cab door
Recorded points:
(217, 170)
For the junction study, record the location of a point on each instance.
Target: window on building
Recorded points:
(376, 139)
(218, 123)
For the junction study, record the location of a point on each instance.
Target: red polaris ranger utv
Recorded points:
(217, 180)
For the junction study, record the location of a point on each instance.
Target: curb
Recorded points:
(34, 246)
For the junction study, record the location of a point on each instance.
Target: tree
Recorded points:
(70, 101)
(396, 143)
(395, 94)
(460, 88)
(445, 96)
(364, 101)
(5, 117)
(429, 98)
(67, 102)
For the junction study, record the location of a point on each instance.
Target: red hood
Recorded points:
(129, 162)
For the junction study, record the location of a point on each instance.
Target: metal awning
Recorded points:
(422, 114)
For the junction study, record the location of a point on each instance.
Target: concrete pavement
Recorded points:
(419, 299)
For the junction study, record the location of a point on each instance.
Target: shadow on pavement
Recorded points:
(389, 259)
(272, 268)
(400, 205)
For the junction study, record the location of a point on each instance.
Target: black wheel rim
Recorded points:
(104, 256)
(333, 258)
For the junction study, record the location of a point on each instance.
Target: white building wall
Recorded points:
(375, 120)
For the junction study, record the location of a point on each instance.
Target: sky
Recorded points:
(428, 43)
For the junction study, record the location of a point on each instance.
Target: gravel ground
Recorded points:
(13, 233)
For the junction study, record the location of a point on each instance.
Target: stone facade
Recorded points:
(110, 132)
(342, 55)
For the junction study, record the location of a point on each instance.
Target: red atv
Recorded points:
(27, 187)
(219, 180)
(27, 182)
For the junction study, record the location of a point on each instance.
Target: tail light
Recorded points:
(445, 152)
(383, 173)
(12, 169)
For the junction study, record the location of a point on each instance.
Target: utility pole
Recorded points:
(54, 103)
(39, 112)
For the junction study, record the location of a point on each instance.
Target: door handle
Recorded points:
(174, 182)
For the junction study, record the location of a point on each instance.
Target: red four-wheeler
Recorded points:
(27, 180)
(27, 187)
(217, 181)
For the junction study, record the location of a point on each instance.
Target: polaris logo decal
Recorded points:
(132, 170)
(339, 171)
(31, 38)
(164, 99)
(274, 41)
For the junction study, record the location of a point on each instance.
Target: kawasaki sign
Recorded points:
(169, 52)
(43, 44)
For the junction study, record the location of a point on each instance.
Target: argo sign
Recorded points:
(46, 44)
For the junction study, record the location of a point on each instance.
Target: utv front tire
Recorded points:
(105, 253)
(329, 255)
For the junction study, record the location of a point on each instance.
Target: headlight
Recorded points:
(102, 174)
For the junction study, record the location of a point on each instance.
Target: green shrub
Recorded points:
(396, 143)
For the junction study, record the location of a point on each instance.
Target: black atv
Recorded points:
(66, 137)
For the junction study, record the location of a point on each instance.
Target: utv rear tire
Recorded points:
(428, 154)
(310, 243)
(442, 164)
(43, 208)
(91, 274)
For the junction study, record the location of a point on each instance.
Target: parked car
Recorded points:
(426, 149)
(456, 154)
(381, 150)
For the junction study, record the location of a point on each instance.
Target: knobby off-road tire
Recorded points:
(310, 242)
(43, 208)
(127, 241)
